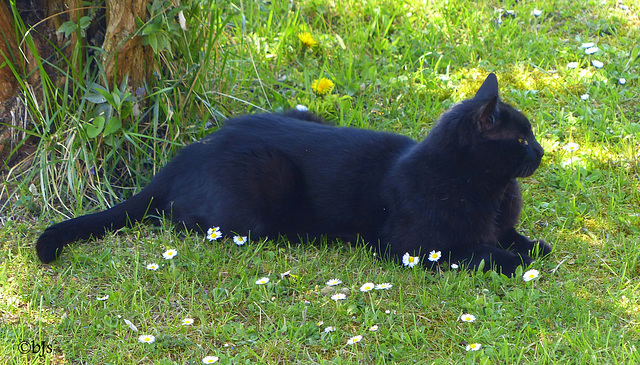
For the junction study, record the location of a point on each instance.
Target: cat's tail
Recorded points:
(54, 238)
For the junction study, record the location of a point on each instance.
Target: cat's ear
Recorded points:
(489, 88)
(486, 119)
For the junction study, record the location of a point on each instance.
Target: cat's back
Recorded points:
(305, 138)
(313, 178)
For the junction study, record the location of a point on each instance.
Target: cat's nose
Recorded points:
(537, 149)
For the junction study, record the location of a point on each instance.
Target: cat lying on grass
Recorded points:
(268, 174)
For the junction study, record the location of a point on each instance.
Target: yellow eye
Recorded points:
(523, 141)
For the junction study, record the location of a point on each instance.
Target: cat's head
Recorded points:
(492, 131)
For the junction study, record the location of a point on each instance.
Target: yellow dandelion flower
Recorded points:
(322, 86)
(307, 39)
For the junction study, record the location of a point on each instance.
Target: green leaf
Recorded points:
(94, 128)
(106, 94)
(113, 125)
(68, 27)
(116, 99)
(153, 42)
(152, 29)
(85, 22)
(95, 98)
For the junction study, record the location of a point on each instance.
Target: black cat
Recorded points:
(268, 174)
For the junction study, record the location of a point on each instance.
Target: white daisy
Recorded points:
(572, 65)
(571, 147)
(169, 254)
(434, 255)
(591, 50)
(153, 266)
(339, 296)
(240, 240)
(473, 347)
(530, 275)
(408, 260)
(187, 321)
(146, 338)
(467, 318)
(334, 282)
(214, 233)
(209, 359)
(597, 64)
(367, 287)
(354, 340)
(262, 281)
(384, 286)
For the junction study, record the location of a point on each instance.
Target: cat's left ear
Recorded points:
(489, 88)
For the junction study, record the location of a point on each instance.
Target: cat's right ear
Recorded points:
(489, 88)
(486, 119)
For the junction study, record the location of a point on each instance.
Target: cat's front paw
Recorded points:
(509, 267)
(541, 248)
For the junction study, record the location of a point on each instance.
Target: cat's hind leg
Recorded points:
(258, 191)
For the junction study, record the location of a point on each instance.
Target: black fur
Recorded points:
(272, 174)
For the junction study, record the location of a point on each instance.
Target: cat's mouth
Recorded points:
(528, 169)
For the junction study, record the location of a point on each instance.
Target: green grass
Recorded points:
(397, 66)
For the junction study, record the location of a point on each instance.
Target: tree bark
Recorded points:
(125, 54)
(8, 46)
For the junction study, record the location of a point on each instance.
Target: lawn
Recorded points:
(571, 67)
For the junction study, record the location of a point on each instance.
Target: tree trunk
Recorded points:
(60, 11)
(125, 54)
(8, 46)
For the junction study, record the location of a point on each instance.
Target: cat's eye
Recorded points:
(523, 141)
